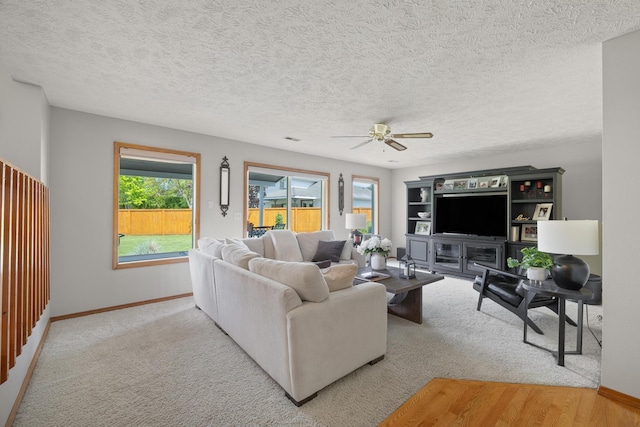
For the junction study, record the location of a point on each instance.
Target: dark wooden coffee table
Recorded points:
(407, 300)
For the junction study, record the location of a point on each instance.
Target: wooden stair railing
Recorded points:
(24, 256)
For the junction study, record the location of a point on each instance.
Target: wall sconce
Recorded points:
(224, 186)
(341, 194)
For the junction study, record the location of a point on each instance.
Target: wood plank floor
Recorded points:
(447, 402)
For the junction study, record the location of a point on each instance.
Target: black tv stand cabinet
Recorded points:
(450, 253)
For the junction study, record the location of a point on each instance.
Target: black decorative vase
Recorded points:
(569, 272)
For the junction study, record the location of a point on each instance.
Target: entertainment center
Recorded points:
(456, 220)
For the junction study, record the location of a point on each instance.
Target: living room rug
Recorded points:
(167, 364)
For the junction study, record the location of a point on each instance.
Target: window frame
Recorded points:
(326, 205)
(195, 233)
(376, 199)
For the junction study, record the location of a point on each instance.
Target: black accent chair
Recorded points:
(502, 287)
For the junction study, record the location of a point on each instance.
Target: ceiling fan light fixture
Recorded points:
(380, 131)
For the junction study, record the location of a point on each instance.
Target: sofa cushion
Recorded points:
(239, 242)
(211, 246)
(255, 244)
(308, 242)
(346, 250)
(305, 278)
(285, 245)
(329, 250)
(238, 255)
(340, 276)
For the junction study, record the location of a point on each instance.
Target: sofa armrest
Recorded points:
(330, 339)
(201, 268)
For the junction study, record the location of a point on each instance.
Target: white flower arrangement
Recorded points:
(375, 245)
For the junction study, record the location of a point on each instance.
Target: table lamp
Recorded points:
(569, 238)
(353, 222)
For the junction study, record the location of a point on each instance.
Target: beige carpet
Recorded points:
(166, 364)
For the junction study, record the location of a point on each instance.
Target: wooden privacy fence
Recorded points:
(24, 250)
(302, 219)
(145, 222)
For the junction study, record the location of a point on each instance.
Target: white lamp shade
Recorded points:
(577, 237)
(355, 221)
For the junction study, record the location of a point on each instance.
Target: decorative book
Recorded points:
(373, 276)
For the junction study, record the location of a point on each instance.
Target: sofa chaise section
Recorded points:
(304, 346)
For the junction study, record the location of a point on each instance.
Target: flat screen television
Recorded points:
(471, 214)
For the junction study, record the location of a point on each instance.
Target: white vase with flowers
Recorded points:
(378, 250)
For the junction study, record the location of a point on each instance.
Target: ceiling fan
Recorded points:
(382, 132)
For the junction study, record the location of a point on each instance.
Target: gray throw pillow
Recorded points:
(323, 264)
(329, 250)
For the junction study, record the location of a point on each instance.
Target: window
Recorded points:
(155, 205)
(285, 198)
(364, 200)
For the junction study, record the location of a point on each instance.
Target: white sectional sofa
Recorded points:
(305, 326)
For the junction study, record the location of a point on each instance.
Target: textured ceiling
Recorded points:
(483, 76)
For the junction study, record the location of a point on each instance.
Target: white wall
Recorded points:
(581, 183)
(81, 206)
(621, 245)
(24, 123)
(24, 136)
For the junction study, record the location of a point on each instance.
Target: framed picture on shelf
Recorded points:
(542, 212)
(484, 183)
(472, 183)
(529, 233)
(448, 185)
(460, 184)
(423, 227)
(495, 182)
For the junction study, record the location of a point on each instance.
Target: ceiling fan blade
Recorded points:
(412, 135)
(395, 144)
(361, 144)
(350, 136)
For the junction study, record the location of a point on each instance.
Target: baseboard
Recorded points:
(27, 377)
(119, 307)
(619, 397)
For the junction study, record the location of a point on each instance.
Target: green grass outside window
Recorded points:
(138, 245)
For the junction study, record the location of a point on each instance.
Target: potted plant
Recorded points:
(535, 262)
